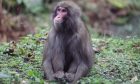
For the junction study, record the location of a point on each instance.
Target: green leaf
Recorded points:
(119, 3)
(20, 1)
(2, 75)
(33, 5)
(135, 3)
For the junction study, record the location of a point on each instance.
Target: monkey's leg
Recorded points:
(47, 66)
(82, 70)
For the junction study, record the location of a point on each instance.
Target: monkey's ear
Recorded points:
(76, 11)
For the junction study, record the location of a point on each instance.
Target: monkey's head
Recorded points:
(65, 13)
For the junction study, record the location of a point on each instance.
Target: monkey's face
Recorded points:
(61, 15)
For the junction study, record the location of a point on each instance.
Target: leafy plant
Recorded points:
(32, 5)
(119, 3)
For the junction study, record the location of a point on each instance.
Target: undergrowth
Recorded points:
(117, 61)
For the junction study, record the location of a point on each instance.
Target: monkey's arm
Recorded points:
(48, 71)
(47, 66)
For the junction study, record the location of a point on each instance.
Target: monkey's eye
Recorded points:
(64, 10)
(61, 9)
(58, 9)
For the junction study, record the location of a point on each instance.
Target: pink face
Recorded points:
(61, 13)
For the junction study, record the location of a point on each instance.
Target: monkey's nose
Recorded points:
(59, 17)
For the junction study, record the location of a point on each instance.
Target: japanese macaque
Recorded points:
(68, 53)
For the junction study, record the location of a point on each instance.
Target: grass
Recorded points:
(117, 61)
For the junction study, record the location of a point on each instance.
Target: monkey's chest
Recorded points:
(67, 61)
(64, 57)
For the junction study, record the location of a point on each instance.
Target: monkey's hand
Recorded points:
(69, 77)
(59, 75)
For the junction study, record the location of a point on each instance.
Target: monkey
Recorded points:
(68, 53)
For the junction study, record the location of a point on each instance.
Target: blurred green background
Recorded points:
(119, 18)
